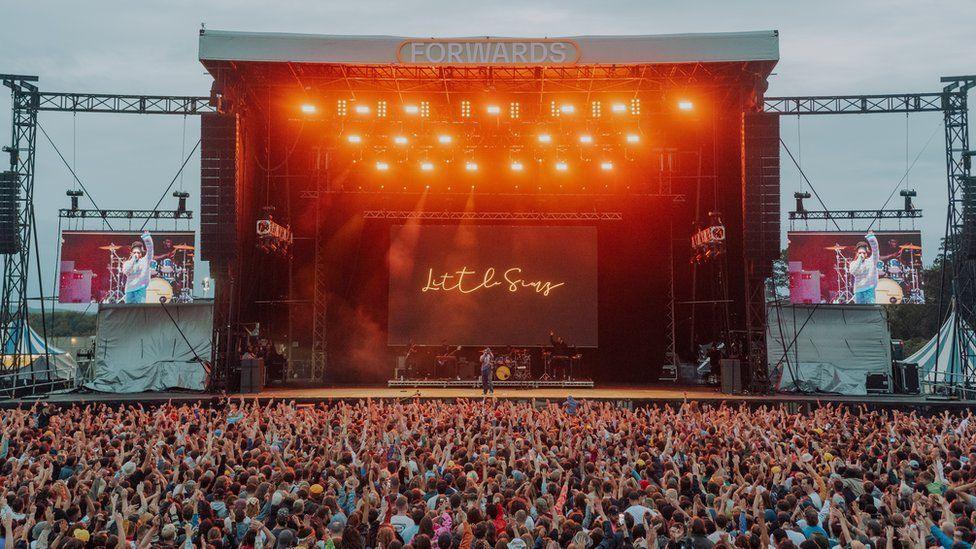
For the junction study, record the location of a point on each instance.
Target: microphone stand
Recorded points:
(196, 357)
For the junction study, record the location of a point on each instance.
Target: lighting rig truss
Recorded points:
(492, 216)
(27, 101)
(952, 101)
(68, 213)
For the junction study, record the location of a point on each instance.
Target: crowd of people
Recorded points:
(481, 474)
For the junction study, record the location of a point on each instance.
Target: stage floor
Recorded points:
(634, 394)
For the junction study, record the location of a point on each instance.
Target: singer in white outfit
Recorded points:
(864, 269)
(136, 269)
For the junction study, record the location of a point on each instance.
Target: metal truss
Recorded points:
(952, 101)
(474, 384)
(115, 103)
(491, 216)
(855, 214)
(14, 318)
(855, 104)
(68, 213)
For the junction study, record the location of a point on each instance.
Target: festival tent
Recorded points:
(944, 347)
(34, 355)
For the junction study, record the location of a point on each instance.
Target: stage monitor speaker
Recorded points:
(878, 384)
(906, 378)
(9, 213)
(731, 376)
(252, 375)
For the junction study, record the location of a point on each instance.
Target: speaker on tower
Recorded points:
(9, 213)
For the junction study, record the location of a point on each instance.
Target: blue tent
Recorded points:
(945, 347)
(32, 349)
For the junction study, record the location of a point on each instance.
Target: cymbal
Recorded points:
(837, 248)
(910, 247)
(184, 247)
(110, 247)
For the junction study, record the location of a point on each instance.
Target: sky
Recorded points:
(826, 47)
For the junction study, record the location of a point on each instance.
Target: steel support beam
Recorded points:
(68, 213)
(492, 216)
(854, 214)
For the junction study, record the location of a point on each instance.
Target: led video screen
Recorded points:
(492, 285)
(109, 267)
(855, 268)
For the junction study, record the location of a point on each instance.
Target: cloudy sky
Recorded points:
(826, 47)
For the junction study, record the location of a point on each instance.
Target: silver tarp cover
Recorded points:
(837, 347)
(138, 348)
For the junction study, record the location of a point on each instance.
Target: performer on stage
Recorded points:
(487, 358)
(864, 269)
(136, 269)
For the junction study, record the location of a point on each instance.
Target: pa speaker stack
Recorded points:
(9, 213)
(906, 378)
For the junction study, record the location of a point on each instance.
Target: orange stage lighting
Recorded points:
(308, 108)
(595, 108)
(513, 110)
(561, 166)
(493, 109)
(354, 138)
(424, 109)
(400, 140)
(444, 139)
(381, 108)
(427, 166)
(586, 139)
(606, 166)
(382, 166)
(686, 105)
(465, 109)
(411, 109)
(545, 138)
(635, 106)
(342, 107)
(516, 166)
(633, 138)
(619, 108)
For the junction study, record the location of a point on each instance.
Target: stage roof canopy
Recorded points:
(219, 45)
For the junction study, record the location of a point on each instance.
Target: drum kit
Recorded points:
(895, 277)
(171, 278)
(516, 365)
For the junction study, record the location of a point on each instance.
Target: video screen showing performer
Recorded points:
(864, 268)
(126, 267)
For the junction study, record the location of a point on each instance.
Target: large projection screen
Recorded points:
(492, 285)
(824, 267)
(93, 263)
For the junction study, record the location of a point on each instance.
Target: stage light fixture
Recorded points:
(427, 166)
(308, 108)
(382, 166)
(465, 109)
(635, 106)
(411, 109)
(566, 108)
(595, 108)
(619, 108)
(342, 107)
(470, 166)
(425, 109)
(381, 108)
(545, 138)
(606, 166)
(633, 138)
(586, 139)
(516, 166)
(685, 105)
(444, 139)
(553, 109)
(354, 138)
(514, 110)
(362, 109)
(561, 166)
(493, 109)
(400, 140)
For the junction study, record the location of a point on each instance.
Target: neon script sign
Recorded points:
(488, 51)
(464, 281)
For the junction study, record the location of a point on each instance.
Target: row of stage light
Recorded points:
(345, 108)
(543, 139)
(516, 166)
